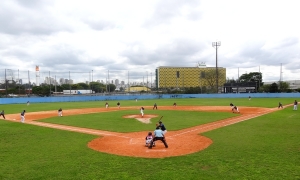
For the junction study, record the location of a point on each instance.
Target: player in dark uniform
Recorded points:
(155, 106)
(280, 105)
(2, 114)
(162, 127)
(174, 104)
(232, 106)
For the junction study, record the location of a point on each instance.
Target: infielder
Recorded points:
(118, 104)
(235, 109)
(232, 106)
(60, 112)
(23, 116)
(295, 105)
(280, 105)
(106, 105)
(2, 114)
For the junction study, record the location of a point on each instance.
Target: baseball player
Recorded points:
(148, 139)
(155, 106)
(118, 104)
(106, 105)
(232, 106)
(23, 116)
(280, 105)
(142, 111)
(60, 112)
(174, 104)
(295, 105)
(2, 114)
(235, 109)
(28, 103)
(162, 127)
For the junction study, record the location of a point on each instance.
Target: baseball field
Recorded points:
(206, 140)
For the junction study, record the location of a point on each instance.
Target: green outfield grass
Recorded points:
(254, 102)
(266, 147)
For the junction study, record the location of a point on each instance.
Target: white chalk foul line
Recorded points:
(227, 123)
(74, 129)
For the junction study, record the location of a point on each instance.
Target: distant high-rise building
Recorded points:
(117, 82)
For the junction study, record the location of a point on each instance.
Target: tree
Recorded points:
(283, 86)
(111, 87)
(211, 77)
(251, 77)
(97, 87)
(264, 88)
(273, 88)
(83, 86)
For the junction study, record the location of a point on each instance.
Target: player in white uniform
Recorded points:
(142, 111)
(60, 112)
(23, 116)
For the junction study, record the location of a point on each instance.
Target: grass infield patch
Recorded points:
(114, 121)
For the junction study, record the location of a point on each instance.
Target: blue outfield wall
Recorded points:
(76, 98)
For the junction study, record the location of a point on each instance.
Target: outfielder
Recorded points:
(106, 105)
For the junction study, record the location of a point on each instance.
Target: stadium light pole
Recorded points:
(216, 45)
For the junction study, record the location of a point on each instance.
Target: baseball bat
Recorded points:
(160, 118)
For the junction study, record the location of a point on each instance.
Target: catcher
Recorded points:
(148, 139)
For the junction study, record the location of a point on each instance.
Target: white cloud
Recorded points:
(138, 36)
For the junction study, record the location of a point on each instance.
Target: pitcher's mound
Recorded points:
(144, 119)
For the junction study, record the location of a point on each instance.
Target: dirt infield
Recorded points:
(180, 142)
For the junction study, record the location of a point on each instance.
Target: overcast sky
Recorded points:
(97, 36)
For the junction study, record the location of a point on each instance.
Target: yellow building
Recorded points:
(179, 77)
(137, 89)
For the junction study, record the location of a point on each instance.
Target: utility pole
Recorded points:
(216, 45)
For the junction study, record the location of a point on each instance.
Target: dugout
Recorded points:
(248, 87)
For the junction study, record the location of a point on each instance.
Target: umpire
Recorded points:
(158, 135)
